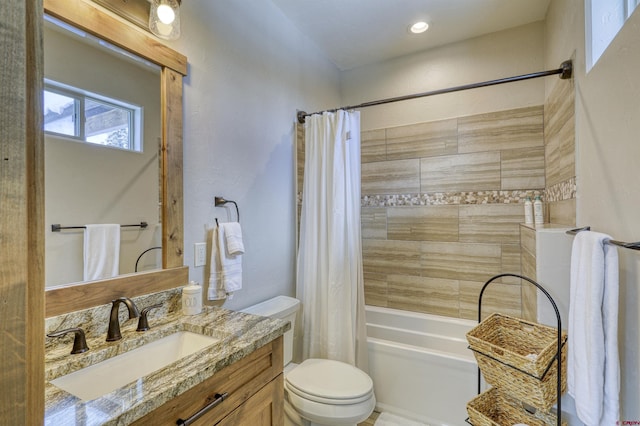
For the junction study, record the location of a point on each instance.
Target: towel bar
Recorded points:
(56, 227)
(632, 246)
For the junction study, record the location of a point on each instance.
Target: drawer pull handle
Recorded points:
(219, 398)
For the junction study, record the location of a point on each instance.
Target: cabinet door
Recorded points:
(265, 408)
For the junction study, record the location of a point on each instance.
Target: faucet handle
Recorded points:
(143, 323)
(79, 341)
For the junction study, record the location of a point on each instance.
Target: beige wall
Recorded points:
(607, 152)
(502, 54)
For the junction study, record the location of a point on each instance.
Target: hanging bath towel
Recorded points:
(216, 288)
(101, 251)
(593, 369)
(231, 264)
(226, 269)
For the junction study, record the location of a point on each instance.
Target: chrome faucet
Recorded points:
(113, 333)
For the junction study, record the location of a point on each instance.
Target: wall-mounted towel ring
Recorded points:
(220, 201)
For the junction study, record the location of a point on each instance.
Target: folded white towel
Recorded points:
(101, 251)
(231, 265)
(593, 369)
(226, 269)
(233, 237)
(216, 289)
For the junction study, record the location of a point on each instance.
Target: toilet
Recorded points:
(318, 391)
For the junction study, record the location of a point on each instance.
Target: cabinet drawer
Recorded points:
(239, 381)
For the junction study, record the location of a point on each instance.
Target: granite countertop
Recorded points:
(240, 334)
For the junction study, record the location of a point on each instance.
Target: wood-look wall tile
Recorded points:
(529, 302)
(423, 223)
(503, 298)
(523, 168)
(528, 239)
(559, 107)
(491, 223)
(560, 156)
(422, 140)
(391, 177)
(511, 129)
(559, 132)
(419, 294)
(374, 222)
(466, 172)
(373, 145)
(461, 261)
(375, 289)
(511, 263)
(528, 262)
(563, 212)
(391, 257)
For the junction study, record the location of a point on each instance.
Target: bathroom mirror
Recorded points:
(102, 139)
(171, 67)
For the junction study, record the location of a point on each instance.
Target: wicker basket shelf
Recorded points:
(495, 408)
(519, 358)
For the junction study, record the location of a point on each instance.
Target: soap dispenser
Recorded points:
(538, 211)
(192, 299)
(528, 211)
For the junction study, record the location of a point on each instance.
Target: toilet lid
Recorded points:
(329, 381)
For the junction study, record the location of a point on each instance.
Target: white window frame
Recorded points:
(80, 96)
(604, 20)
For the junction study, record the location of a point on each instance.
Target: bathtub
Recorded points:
(420, 365)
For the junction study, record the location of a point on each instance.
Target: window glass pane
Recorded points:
(107, 124)
(59, 114)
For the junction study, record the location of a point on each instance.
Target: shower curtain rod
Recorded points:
(565, 71)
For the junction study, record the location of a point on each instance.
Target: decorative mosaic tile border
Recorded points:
(562, 191)
(449, 198)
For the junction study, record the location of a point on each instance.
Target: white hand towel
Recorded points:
(231, 265)
(593, 368)
(101, 251)
(233, 237)
(216, 289)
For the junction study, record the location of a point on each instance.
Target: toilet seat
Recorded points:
(329, 414)
(329, 382)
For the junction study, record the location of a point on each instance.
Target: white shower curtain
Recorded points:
(329, 274)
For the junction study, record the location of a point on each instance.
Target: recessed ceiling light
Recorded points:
(419, 27)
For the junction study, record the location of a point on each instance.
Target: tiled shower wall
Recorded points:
(442, 207)
(442, 203)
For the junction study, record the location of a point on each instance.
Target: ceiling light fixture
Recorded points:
(164, 19)
(419, 27)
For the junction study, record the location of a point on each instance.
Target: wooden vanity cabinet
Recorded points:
(255, 394)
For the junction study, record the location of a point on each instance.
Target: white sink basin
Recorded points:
(99, 379)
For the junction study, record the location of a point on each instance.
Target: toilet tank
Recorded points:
(281, 307)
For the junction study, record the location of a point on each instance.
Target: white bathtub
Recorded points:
(420, 365)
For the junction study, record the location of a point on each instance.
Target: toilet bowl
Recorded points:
(318, 391)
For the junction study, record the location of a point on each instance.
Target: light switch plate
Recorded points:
(200, 254)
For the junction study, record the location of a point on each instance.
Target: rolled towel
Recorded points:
(233, 238)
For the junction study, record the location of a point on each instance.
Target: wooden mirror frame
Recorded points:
(88, 17)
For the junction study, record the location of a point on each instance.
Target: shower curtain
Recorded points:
(329, 271)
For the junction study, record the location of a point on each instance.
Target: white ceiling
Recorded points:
(360, 32)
